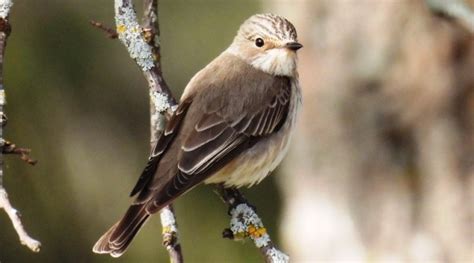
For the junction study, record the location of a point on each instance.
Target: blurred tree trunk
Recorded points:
(382, 164)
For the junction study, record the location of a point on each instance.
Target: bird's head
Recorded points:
(269, 43)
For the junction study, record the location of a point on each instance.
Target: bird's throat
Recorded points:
(278, 62)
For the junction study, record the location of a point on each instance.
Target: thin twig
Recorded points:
(25, 239)
(111, 33)
(167, 215)
(245, 222)
(151, 33)
(13, 214)
(10, 148)
(170, 234)
(130, 33)
(143, 46)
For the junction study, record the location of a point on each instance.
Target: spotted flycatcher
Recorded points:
(232, 125)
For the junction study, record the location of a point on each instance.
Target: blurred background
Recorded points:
(381, 167)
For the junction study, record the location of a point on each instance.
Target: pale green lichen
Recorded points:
(168, 221)
(2, 97)
(5, 6)
(160, 101)
(277, 256)
(245, 222)
(130, 34)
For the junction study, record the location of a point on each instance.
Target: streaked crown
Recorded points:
(269, 43)
(268, 26)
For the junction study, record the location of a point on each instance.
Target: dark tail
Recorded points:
(117, 239)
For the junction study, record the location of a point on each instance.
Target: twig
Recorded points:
(111, 33)
(245, 222)
(170, 234)
(158, 105)
(130, 33)
(167, 215)
(10, 148)
(25, 239)
(143, 45)
(13, 214)
(456, 9)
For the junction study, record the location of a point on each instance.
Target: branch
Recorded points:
(167, 215)
(14, 215)
(130, 33)
(456, 9)
(111, 33)
(144, 47)
(245, 222)
(10, 148)
(25, 239)
(170, 234)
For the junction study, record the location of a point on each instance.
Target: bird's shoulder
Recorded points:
(229, 86)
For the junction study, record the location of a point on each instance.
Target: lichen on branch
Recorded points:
(130, 33)
(245, 222)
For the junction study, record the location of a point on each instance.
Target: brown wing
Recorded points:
(219, 136)
(214, 135)
(162, 144)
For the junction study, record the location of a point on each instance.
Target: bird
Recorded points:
(232, 126)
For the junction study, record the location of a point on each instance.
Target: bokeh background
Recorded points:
(381, 168)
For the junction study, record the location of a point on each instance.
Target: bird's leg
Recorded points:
(232, 197)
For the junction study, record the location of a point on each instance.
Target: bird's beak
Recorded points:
(293, 46)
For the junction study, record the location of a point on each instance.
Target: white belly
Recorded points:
(256, 163)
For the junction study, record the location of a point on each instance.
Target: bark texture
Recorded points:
(382, 164)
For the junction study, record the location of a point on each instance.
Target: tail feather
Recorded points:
(117, 239)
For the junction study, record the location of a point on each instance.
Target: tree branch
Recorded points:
(245, 222)
(25, 239)
(151, 31)
(14, 215)
(143, 45)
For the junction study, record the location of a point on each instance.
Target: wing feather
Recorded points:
(208, 121)
(205, 137)
(215, 140)
(193, 161)
(215, 129)
(163, 143)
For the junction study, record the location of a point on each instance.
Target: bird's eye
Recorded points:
(259, 42)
